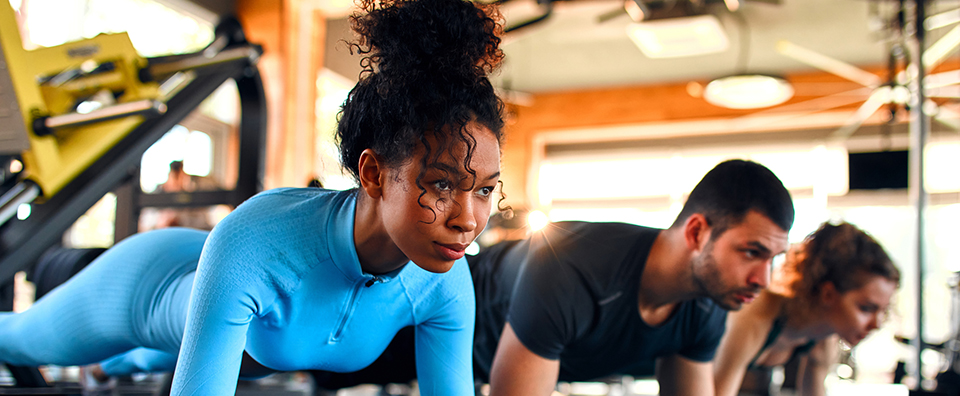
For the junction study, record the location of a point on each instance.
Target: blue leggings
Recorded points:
(133, 298)
(140, 360)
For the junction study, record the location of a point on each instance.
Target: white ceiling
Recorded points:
(571, 50)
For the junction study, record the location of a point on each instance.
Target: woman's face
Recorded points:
(857, 312)
(456, 204)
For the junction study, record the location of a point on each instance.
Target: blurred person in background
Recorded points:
(835, 285)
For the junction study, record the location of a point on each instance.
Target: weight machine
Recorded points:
(60, 158)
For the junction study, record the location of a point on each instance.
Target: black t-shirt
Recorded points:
(571, 293)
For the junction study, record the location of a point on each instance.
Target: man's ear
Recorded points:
(372, 173)
(696, 232)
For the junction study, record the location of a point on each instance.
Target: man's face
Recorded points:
(733, 267)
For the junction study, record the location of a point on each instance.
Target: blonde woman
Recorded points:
(836, 284)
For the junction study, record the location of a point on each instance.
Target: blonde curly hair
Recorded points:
(841, 254)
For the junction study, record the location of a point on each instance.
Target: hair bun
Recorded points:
(452, 39)
(425, 65)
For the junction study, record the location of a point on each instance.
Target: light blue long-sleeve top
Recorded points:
(279, 278)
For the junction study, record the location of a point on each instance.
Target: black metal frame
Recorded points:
(130, 199)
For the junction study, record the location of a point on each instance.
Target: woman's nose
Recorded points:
(463, 219)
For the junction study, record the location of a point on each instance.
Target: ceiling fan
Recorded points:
(892, 93)
(650, 10)
(638, 10)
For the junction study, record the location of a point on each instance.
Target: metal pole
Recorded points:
(21, 193)
(919, 132)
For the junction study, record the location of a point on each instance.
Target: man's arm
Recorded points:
(681, 376)
(517, 371)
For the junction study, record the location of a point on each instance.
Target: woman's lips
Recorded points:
(451, 251)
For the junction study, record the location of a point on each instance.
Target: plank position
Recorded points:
(581, 301)
(298, 279)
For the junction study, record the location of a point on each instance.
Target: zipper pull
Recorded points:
(372, 281)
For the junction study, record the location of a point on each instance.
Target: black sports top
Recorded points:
(775, 331)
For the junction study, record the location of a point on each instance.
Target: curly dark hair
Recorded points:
(425, 69)
(841, 254)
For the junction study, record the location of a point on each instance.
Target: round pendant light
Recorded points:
(747, 91)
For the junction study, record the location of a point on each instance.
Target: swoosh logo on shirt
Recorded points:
(607, 300)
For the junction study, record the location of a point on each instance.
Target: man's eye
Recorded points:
(486, 191)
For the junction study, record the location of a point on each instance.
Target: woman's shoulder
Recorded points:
(767, 308)
(446, 298)
(772, 298)
(753, 326)
(282, 205)
(295, 196)
(427, 286)
(287, 222)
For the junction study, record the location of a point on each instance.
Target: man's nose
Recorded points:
(760, 276)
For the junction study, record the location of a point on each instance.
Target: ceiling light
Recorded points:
(676, 37)
(748, 91)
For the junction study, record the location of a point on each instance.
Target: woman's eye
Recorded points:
(486, 191)
(443, 185)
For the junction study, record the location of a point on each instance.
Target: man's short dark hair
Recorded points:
(733, 188)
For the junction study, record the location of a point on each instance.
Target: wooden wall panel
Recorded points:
(293, 56)
(261, 20)
(555, 111)
(292, 33)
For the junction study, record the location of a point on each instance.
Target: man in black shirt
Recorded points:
(571, 293)
(581, 301)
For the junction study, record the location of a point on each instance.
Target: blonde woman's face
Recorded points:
(856, 313)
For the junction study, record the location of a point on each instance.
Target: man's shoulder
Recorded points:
(706, 310)
(600, 259)
(573, 237)
(593, 228)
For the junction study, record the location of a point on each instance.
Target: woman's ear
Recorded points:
(828, 293)
(696, 232)
(372, 173)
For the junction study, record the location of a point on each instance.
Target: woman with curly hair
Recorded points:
(309, 278)
(835, 285)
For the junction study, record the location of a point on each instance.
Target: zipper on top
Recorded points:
(351, 305)
(376, 279)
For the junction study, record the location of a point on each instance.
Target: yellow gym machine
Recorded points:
(79, 117)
